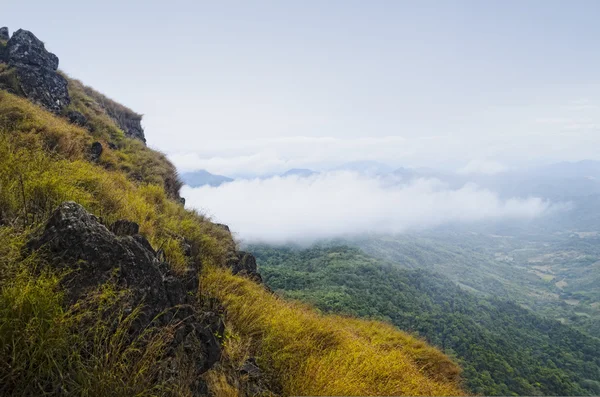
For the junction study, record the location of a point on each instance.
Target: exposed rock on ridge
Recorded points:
(241, 262)
(36, 71)
(76, 240)
(130, 123)
(39, 81)
(4, 34)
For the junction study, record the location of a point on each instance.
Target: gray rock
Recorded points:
(131, 124)
(244, 263)
(75, 240)
(36, 71)
(128, 121)
(4, 34)
(44, 87)
(76, 118)
(24, 49)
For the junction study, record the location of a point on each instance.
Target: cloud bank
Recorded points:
(343, 203)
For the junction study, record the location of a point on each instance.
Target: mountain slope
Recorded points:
(108, 286)
(503, 348)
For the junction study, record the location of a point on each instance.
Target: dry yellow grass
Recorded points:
(311, 354)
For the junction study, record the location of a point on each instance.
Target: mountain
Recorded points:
(202, 178)
(503, 348)
(109, 286)
(301, 172)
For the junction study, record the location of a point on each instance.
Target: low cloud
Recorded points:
(343, 203)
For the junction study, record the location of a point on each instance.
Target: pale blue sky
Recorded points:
(262, 86)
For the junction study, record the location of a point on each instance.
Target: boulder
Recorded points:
(4, 34)
(36, 70)
(76, 118)
(76, 241)
(24, 49)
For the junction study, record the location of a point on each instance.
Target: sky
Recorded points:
(254, 88)
(264, 86)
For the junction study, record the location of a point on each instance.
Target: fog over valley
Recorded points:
(342, 203)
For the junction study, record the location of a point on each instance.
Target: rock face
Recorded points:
(36, 71)
(244, 263)
(130, 123)
(4, 34)
(241, 262)
(75, 239)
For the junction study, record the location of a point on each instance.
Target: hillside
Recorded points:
(552, 273)
(503, 348)
(109, 286)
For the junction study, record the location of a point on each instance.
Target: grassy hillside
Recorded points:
(50, 346)
(502, 348)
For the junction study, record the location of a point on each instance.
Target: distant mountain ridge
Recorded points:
(203, 178)
(301, 172)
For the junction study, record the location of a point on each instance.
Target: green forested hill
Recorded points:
(503, 348)
(554, 274)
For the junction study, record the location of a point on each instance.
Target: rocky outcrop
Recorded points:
(241, 262)
(244, 263)
(130, 123)
(75, 240)
(4, 34)
(36, 71)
